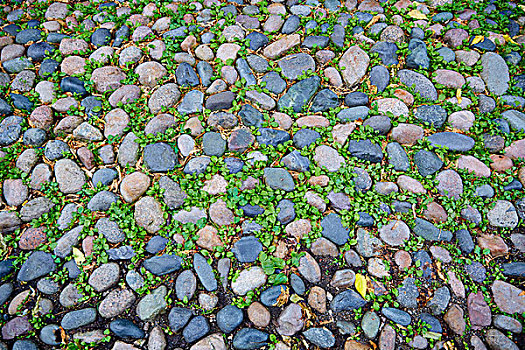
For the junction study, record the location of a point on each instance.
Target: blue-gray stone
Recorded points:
(514, 269)
(291, 24)
(78, 318)
(347, 300)
(365, 150)
(274, 82)
(465, 242)
(10, 129)
(126, 329)
(247, 249)
(26, 35)
(325, 100)
(213, 144)
(317, 41)
(270, 296)
(515, 118)
(353, 113)
(234, 165)
(196, 329)
(425, 263)
(447, 54)
(21, 102)
(48, 67)
(272, 137)
(39, 51)
(428, 231)
(251, 116)
(418, 56)
(305, 137)
(245, 72)
(104, 176)
(418, 83)
(299, 94)
(397, 316)
(160, 157)
(294, 161)
(427, 162)
(73, 85)
(279, 178)
(102, 201)
(397, 156)
(257, 40)
(101, 37)
(387, 52)
(163, 264)
(186, 76)
(432, 322)
(320, 337)
(297, 284)
(156, 244)
(204, 272)
(229, 318)
(38, 264)
(250, 339)
(197, 165)
(434, 115)
(178, 318)
(16, 65)
(334, 230)
(452, 141)
(285, 211)
(205, 71)
(379, 77)
(356, 98)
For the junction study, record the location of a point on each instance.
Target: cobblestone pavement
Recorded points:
(288, 174)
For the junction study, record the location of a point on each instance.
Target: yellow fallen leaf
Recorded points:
(360, 284)
(458, 96)
(295, 298)
(373, 21)
(509, 39)
(417, 14)
(477, 39)
(78, 256)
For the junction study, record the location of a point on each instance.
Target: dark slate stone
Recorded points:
(321, 337)
(104, 176)
(465, 242)
(38, 51)
(245, 72)
(26, 35)
(380, 124)
(204, 272)
(365, 220)
(78, 318)
(251, 211)
(74, 85)
(186, 76)
(379, 77)
(35, 137)
(434, 115)
(325, 100)
(425, 263)
(485, 45)
(229, 318)
(430, 232)
(156, 244)
(92, 105)
(356, 98)
(347, 300)
(121, 35)
(294, 161)
(435, 325)
(257, 40)
(291, 24)
(21, 102)
(247, 249)
(5, 108)
(318, 41)
(334, 230)
(274, 83)
(205, 71)
(299, 94)
(234, 165)
(338, 35)
(196, 329)
(427, 162)
(476, 271)
(297, 284)
(397, 316)
(37, 265)
(365, 150)
(418, 56)
(102, 201)
(305, 137)
(514, 269)
(163, 264)
(101, 37)
(250, 339)
(126, 329)
(48, 67)
(418, 83)
(271, 296)
(387, 52)
(160, 157)
(452, 141)
(285, 211)
(250, 116)
(272, 137)
(178, 318)
(221, 100)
